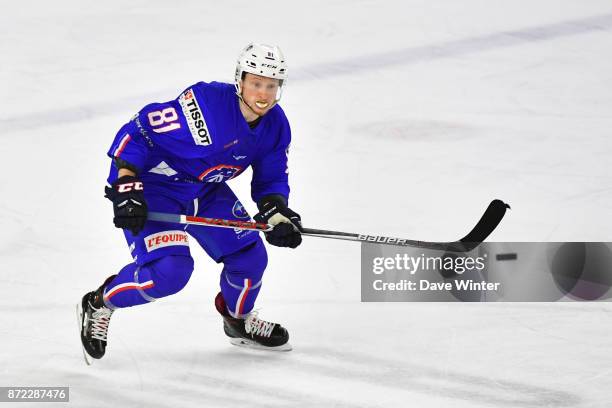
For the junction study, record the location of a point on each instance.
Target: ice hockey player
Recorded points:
(176, 157)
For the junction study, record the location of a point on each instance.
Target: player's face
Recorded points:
(259, 92)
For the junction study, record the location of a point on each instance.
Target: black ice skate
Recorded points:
(252, 332)
(93, 318)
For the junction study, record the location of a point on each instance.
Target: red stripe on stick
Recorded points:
(228, 223)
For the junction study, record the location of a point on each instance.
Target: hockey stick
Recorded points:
(485, 226)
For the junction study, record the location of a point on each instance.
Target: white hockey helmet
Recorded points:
(263, 60)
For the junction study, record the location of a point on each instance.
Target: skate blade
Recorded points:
(256, 346)
(79, 313)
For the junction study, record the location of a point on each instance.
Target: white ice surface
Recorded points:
(407, 118)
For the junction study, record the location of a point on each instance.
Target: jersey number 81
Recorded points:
(167, 117)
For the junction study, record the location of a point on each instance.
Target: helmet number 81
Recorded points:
(164, 120)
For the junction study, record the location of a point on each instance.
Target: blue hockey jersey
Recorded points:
(181, 146)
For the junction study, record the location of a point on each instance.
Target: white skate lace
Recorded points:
(256, 326)
(100, 319)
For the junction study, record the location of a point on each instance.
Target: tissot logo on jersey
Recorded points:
(195, 118)
(166, 238)
(220, 173)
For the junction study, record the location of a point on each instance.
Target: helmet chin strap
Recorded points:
(249, 106)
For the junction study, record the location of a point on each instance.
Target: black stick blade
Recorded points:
(485, 226)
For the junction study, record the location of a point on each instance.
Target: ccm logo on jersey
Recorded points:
(165, 238)
(195, 118)
(125, 187)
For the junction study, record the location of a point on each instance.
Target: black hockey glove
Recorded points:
(129, 203)
(287, 223)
